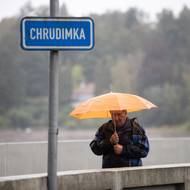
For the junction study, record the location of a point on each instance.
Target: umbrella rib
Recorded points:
(119, 103)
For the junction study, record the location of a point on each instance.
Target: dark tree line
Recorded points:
(130, 55)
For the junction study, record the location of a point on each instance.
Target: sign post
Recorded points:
(53, 107)
(55, 33)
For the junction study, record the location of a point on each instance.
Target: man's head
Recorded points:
(119, 116)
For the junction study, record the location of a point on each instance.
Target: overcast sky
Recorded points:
(84, 7)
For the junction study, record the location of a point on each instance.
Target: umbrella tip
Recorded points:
(111, 87)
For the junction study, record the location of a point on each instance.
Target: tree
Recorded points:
(11, 87)
(125, 73)
(102, 77)
(65, 84)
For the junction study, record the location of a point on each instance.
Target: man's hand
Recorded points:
(118, 149)
(114, 139)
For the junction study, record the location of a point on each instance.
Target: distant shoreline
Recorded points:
(31, 135)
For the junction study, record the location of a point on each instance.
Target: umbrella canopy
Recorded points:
(100, 106)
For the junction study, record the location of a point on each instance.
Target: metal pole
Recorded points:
(53, 107)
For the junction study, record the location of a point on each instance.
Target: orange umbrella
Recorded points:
(100, 106)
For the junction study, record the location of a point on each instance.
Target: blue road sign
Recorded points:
(58, 33)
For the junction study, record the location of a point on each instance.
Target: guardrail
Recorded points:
(163, 177)
(31, 157)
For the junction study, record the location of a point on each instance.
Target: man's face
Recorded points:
(119, 116)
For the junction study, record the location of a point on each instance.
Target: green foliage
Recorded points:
(77, 74)
(102, 77)
(33, 113)
(4, 122)
(168, 99)
(130, 55)
(65, 84)
(125, 73)
(19, 118)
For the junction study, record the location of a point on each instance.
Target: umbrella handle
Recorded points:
(114, 124)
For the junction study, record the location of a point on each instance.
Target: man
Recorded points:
(121, 141)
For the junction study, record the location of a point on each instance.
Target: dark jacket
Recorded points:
(133, 138)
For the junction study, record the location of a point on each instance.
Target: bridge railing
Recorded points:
(31, 157)
(163, 177)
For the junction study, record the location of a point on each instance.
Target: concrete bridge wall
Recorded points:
(163, 177)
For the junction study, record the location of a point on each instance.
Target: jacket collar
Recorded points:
(126, 127)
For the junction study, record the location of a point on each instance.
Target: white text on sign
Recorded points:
(57, 34)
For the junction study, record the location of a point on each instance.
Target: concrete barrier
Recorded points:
(31, 157)
(161, 177)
